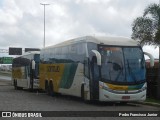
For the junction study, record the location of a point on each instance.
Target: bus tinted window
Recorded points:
(65, 54)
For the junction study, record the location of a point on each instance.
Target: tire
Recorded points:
(15, 84)
(82, 92)
(31, 87)
(51, 89)
(19, 88)
(46, 87)
(16, 87)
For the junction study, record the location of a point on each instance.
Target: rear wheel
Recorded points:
(51, 89)
(15, 84)
(83, 96)
(17, 87)
(82, 91)
(46, 87)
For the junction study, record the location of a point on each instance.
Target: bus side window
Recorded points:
(86, 67)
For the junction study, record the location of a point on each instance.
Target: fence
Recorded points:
(152, 80)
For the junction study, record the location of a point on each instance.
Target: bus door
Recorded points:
(94, 80)
(95, 64)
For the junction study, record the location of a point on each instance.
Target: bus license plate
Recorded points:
(125, 97)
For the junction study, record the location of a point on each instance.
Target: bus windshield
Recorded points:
(122, 65)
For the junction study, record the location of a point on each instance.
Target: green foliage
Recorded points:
(152, 100)
(147, 28)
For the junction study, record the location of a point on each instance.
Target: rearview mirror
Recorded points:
(98, 56)
(33, 64)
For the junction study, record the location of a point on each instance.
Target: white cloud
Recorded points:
(10, 13)
(152, 50)
(21, 21)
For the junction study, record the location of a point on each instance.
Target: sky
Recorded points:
(22, 21)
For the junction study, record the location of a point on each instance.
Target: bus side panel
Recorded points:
(75, 82)
(52, 72)
(66, 78)
(19, 74)
(16, 73)
(68, 75)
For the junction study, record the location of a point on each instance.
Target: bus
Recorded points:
(95, 68)
(25, 71)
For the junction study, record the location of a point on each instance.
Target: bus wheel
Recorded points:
(82, 92)
(19, 88)
(16, 87)
(15, 84)
(46, 87)
(51, 91)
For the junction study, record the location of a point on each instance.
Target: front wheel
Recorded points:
(46, 87)
(17, 87)
(82, 91)
(15, 84)
(51, 89)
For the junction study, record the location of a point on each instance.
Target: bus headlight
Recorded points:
(105, 88)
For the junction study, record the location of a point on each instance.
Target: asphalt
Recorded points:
(4, 82)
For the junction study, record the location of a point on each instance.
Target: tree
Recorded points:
(147, 30)
(147, 27)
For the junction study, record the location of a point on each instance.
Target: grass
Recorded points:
(152, 100)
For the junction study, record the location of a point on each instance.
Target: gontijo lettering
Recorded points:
(53, 69)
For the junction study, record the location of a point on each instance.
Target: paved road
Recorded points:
(22, 100)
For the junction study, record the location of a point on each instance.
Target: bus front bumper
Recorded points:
(105, 95)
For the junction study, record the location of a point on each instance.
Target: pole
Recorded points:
(158, 79)
(44, 24)
(44, 28)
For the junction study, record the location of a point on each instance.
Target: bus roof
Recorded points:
(105, 40)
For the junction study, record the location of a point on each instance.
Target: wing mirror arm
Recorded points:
(151, 58)
(33, 64)
(98, 56)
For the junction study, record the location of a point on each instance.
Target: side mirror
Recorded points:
(33, 64)
(151, 58)
(98, 56)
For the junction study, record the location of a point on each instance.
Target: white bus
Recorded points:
(95, 68)
(25, 71)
